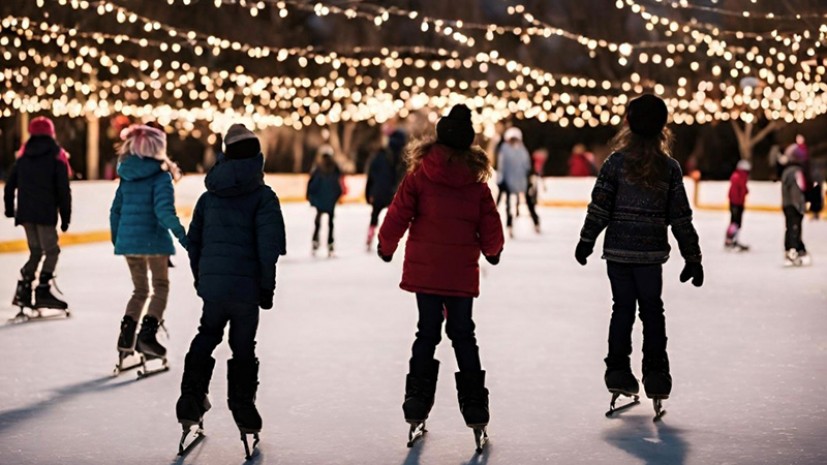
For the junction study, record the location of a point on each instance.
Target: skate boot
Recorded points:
(420, 388)
(657, 382)
(126, 340)
(315, 248)
(194, 403)
(331, 250)
(804, 259)
(620, 381)
(22, 298)
(147, 343)
(473, 403)
(242, 384)
(43, 297)
(371, 234)
(791, 258)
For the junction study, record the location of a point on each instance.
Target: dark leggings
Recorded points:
(374, 214)
(459, 327)
(317, 223)
(243, 320)
(636, 287)
(792, 237)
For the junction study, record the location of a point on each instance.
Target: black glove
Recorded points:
(493, 259)
(9, 213)
(583, 250)
(695, 271)
(64, 227)
(385, 258)
(265, 299)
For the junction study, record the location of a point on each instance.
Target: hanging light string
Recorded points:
(685, 5)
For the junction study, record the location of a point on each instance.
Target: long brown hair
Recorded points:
(474, 157)
(645, 161)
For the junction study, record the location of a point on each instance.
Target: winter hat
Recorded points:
(42, 126)
(513, 133)
(240, 142)
(143, 141)
(647, 115)
(397, 140)
(744, 165)
(455, 130)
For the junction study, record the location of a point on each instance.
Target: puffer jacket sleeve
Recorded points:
(679, 215)
(8, 190)
(603, 200)
(63, 191)
(400, 214)
(490, 228)
(271, 238)
(195, 237)
(115, 214)
(164, 205)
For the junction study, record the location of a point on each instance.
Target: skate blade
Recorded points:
(659, 410)
(37, 315)
(614, 408)
(416, 432)
(481, 438)
(198, 436)
(248, 450)
(144, 372)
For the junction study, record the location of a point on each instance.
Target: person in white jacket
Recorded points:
(513, 169)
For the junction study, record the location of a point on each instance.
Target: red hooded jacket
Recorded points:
(738, 187)
(452, 218)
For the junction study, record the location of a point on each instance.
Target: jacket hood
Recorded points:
(437, 167)
(38, 146)
(133, 168)
(232, 177)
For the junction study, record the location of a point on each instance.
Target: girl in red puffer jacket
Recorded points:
(737, 198)
(445, 202)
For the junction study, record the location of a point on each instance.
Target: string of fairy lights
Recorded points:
(781, 80)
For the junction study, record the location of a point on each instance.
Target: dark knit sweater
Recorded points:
(636, 218)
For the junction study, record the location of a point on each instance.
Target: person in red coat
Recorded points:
(446, 205)
(581, 162)
(737, 197)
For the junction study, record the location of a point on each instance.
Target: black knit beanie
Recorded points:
(240, 143)
(647, 115)
(455, 130)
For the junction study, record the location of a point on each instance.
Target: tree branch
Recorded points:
(764, 133)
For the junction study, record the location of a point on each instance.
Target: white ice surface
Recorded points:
(748, 351)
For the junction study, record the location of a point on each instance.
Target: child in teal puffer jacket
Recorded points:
(141, 215)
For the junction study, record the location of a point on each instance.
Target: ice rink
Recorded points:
(748, 352)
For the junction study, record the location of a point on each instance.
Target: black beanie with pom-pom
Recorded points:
(455, 130)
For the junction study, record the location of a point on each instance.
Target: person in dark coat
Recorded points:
(40, 177)
(323, 191)
(235, 239)
(385, 172)
(794, 186)
(445, 204)
(638, 195)
(141, 218)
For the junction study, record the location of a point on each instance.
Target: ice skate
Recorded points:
(473, 403)
(22, 299)
(621, 382)
(420, 388)
(331, 251)
(657, 382)
(791, 258)
(804, 259)
(126, 339)
(128, 361)
(150, 349)
(739, 247)
(43, 297)
(511, 232)
(193, 403)
(242, 384)
(315, 248)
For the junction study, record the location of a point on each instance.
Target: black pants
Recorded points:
(318, 223)
(636, 287)
(509, 220)
(243, 319)
(792, 238)
(736, 214)
(459, 327)
(374, 214)
(42, 240)
(531, 203)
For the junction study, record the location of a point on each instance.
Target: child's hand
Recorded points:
(695, 271)
(9, 213)
(583, 250)
(385, 258)
(64, 226)
(265, 299)
(493, 259)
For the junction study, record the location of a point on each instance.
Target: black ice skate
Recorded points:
(621, 382)
(242, 384)
(43, 300)
(420, 388)
(657, 382)
(149, 348)
(126, 347)
(473, 403)
(22, 299)
(193, 403)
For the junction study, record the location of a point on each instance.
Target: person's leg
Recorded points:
(140, 286)
(649, 285)
(317, 222)
(460, 327)
(509, 219)
(51, 251)
(330, 219)
(532, 210)
(243, 327)
(199, 364)
(624, 296)
(374, 215)
(214, 318)
(242, 369)
(793, 228)
(159, 267)
(799, 234)
(429, 332)
(35, 252)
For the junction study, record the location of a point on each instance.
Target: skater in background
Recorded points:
(40, 178)
(385, 172)
(445, 204)
(581, 162)
(324, 189)
(737, 198)
(638, 194)
(141, 217)
(513, 169)
(794, 203)
(535, 183)
(235, 240)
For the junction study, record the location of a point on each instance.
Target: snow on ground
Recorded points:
(748, 355)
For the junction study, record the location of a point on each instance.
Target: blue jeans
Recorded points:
(243, 320)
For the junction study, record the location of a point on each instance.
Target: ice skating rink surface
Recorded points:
(748, 352)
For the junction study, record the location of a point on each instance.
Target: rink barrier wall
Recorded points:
(90, 216)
